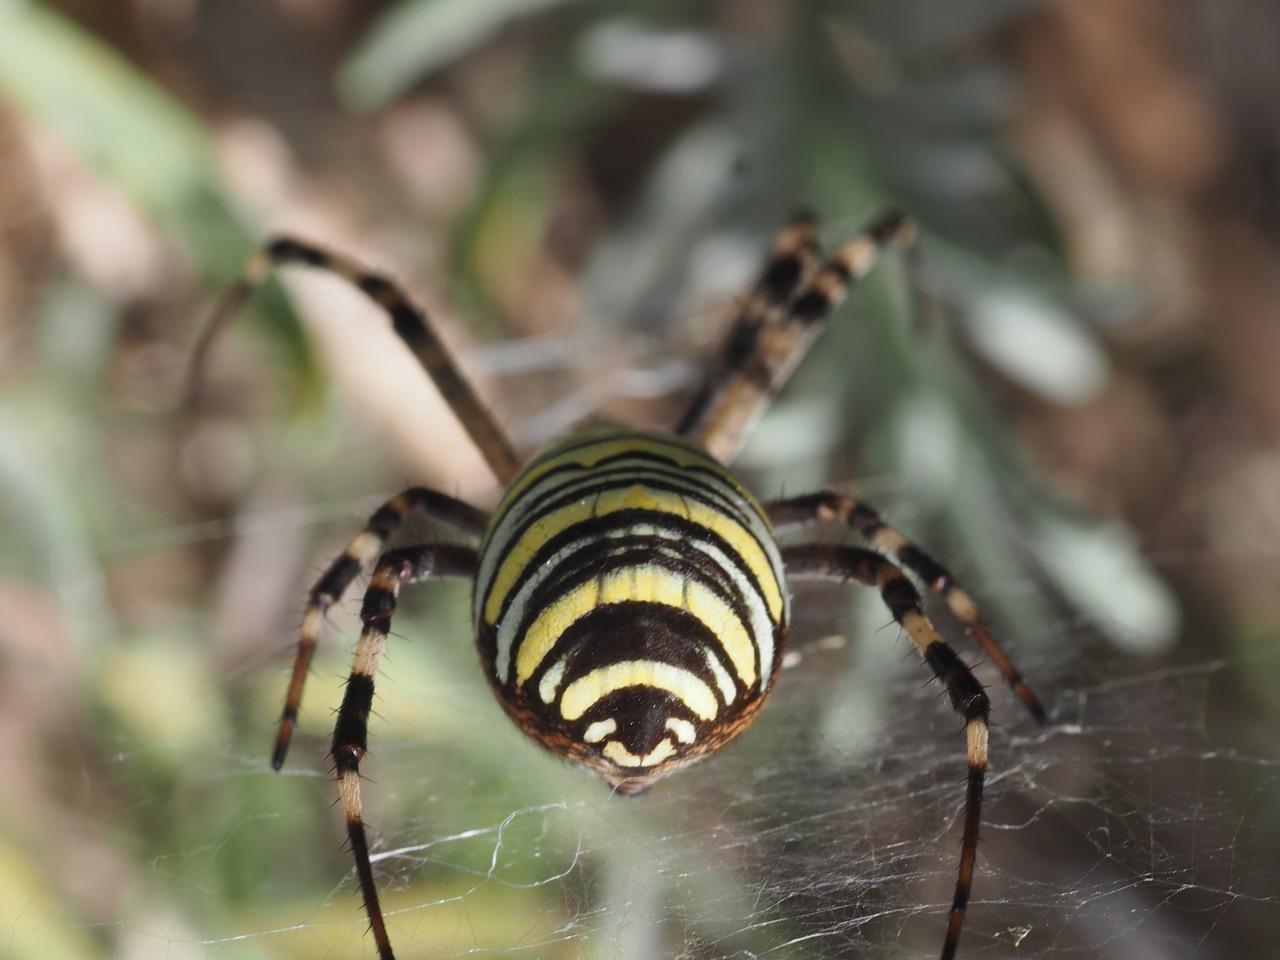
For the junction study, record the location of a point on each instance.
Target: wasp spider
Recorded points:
(631, 601)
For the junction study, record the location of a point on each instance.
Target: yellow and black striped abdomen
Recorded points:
(630, 605)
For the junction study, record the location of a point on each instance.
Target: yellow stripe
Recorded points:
(637, 497)
(588, 454)
(644, 584)
(622, 757)
(599, 730)
(580, 695)
(613, 442)
(685, 731)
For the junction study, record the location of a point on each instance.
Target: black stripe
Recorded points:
(710, 490)
(335, 580)
(588, 440)
(385, 520)
(900, 597)
(863, 519)
(883, 231)
(967, 695)
(781, 276)
(598, 559)
(811, 306)
(379, 289)
(928, 569)
(637, 631)
(536, 503)
(379, 605)
(613, 531)
(350, 736)
(840, 269)
(590, 489)
(285, 250)
(602, 535)
(637, 461)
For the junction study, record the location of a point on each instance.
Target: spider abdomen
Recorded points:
(630, 603)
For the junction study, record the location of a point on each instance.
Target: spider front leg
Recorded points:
(844, 564)
(857, 516)
(350, 735)
(777, 323)
(329, 589)
(408, 321)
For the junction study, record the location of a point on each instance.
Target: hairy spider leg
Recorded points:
(350, 735)
(333, 583)
(844, 564)
(774, 327)
(857, 516)
(409, 322)
(777, 324)
(792, 260)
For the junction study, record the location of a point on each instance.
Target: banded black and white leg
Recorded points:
(845, 564)
(359, 554)
(408, 320)
(828, 506)
(351, 732)
(776, 325)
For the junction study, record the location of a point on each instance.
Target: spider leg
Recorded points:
(408, 321)
(778, 322)
(853, 513)
(821, 562)
(334, 582)
(791, 262)
(350, 735)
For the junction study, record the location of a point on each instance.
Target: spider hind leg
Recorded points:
(350, 735)
(968, 699)
(867, 523)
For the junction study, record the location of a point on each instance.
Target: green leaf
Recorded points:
(42, 523)
(1099, 567)
(416, 37)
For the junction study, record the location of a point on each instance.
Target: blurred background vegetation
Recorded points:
(1083, 423)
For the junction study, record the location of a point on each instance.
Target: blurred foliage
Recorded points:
(413, 38)
(622, 168)
(122, 125)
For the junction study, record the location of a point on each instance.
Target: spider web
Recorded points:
(1142, 822)
(1132, 826)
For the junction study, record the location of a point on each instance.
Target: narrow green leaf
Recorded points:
(1099, 567)
(415, 37)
